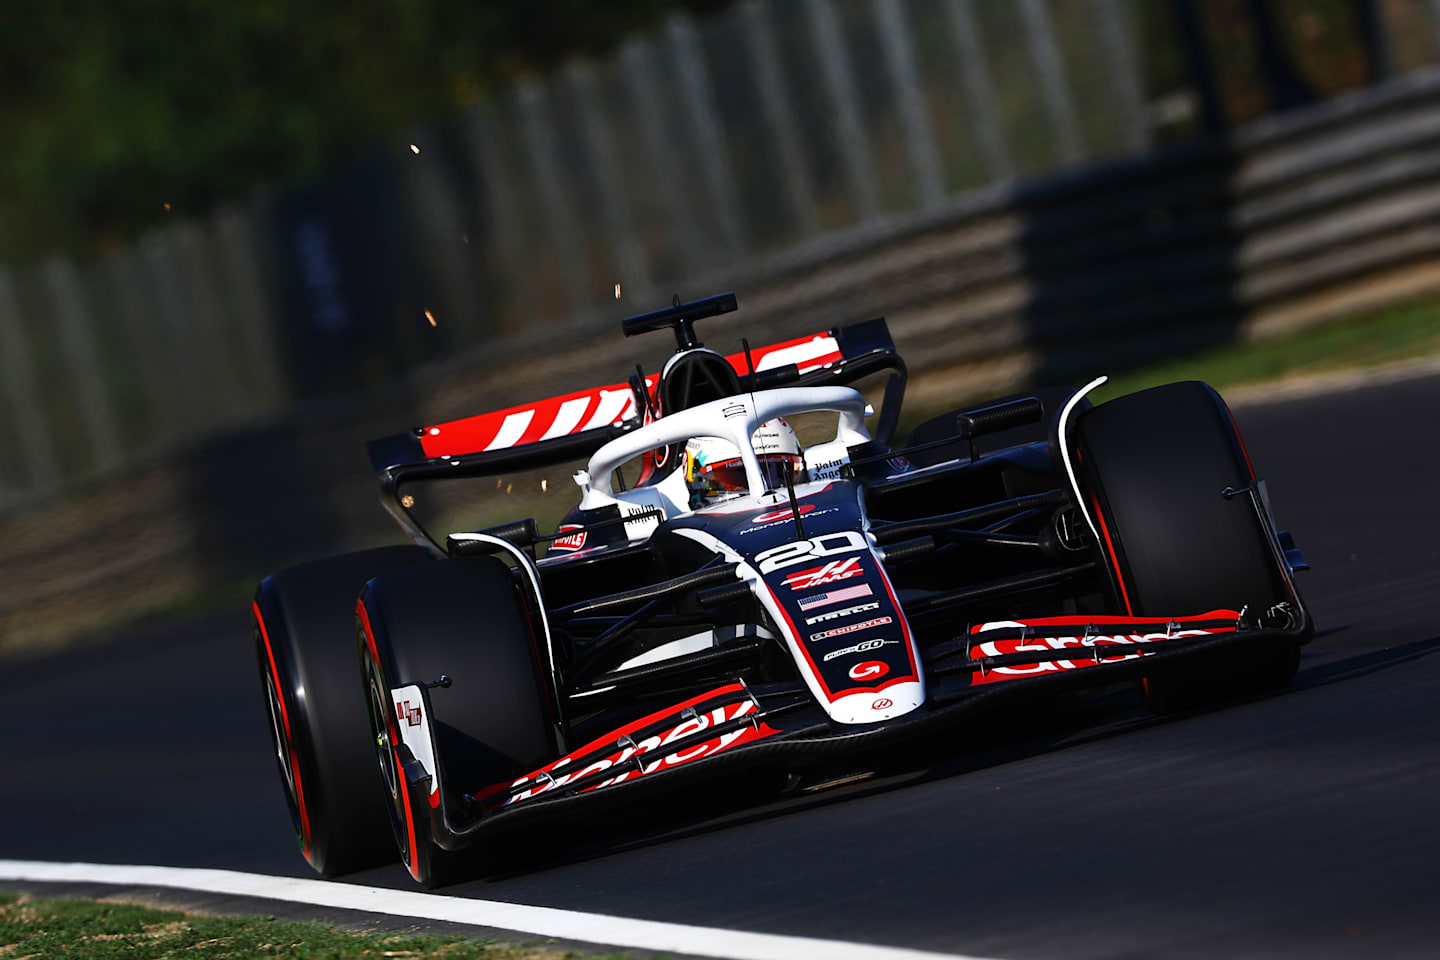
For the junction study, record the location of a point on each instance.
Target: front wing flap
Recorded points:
(731, 726)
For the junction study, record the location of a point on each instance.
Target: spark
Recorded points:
(508, 488)
(407, 501)
(544, 485)
(167, 207)
(431, 317)
(617, 291)
(414, 149)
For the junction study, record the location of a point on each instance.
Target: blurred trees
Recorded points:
(113, 115)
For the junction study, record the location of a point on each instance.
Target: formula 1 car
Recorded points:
(864, 593)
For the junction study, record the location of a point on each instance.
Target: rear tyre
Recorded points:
(465, 619)
(303, 621)
(1153, 465)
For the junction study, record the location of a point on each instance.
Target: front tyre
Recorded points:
(304, 645)
(1154, 465)
(464, 619)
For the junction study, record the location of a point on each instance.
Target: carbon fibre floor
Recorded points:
(1297, 825)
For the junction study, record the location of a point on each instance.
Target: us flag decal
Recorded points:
(831, 597)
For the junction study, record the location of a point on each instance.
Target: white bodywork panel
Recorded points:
(413, 721)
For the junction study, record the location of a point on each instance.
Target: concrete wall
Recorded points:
(1292, 221)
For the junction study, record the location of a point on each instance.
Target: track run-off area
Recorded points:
(1300, 824)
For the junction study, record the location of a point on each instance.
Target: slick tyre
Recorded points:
(464, 619)
(303, 620)
(1153, 465)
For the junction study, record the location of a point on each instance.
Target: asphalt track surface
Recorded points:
(1301, 824)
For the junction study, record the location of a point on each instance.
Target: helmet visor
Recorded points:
(729, 475)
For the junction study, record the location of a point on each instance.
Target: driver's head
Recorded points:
(714, 470)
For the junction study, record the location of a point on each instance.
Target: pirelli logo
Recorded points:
(841, 613)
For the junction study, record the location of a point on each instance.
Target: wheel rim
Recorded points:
(385, 754)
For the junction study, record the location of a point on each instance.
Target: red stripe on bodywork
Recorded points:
(643, 722)
(473, 434)
(455, 438)
(831, 354)
(1082, 621)
(833, 695)
(603, 749)
(1080, 655)
(904, 631)
(285, 718)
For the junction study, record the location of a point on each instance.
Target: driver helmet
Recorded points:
(715, 472)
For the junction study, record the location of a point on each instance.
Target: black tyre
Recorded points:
(1153, 465)
(303, 621)
(464, 619)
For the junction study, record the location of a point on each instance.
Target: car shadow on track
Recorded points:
(1362, 664)
(1014, 734)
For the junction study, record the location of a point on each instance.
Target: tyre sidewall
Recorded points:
(464, 619)
(302, 620)
(1154, 465)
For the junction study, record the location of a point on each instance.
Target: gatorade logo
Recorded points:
(869, 670)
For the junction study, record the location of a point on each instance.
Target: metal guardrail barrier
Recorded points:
(828, 161)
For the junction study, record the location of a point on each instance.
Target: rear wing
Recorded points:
(574, 425)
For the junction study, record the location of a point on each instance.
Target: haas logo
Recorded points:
(405, 713)
(827, 573)
(884, 703)
(869, 670)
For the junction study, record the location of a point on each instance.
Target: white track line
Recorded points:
(538, 921)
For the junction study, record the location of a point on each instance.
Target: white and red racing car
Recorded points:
(749, 603)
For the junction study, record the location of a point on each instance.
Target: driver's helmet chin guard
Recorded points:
(715, 472)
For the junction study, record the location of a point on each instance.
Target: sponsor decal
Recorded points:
(884, 703)
(846, 612)
(407, 714)
(516, 426)
(828, 573)
(864, 646)
(798, 551)
(653, 746)
(818, 600)
(829, 470)
(869, 670)
(776, 518)
(731, 411)
(575, 541)
(851, 628)
(773, 516)
(1086, 648)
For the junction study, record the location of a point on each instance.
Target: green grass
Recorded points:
(1394, 334)
(56, 929)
